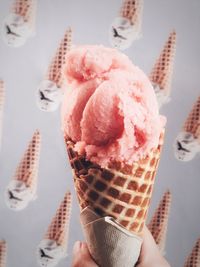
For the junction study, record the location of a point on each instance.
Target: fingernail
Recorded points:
(77, 247)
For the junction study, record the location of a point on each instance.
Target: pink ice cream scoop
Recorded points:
(110, 109)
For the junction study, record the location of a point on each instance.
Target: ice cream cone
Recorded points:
(161, 74)
(192, 123)
(54, 72)
(27, 170)
(187, 143)
(193, 259)
(49, 93)
(126, 27)
(132, 10)
(22, 188)
(2, 97)
(120, 196)
(121, 192)
(27, 10)
(53, 246)
(19, 25)
(3, 253)
(159, 222)
(59, 227)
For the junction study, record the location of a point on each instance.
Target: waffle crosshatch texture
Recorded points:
(192, 124)
(162, 71)
(27, 170)
(3, 253)
(59, 227)
(25, 9)
(54, 72)
(159, 222)
(132, 10)
(193, 259)
(123, 192)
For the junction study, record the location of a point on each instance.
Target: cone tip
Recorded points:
(69, 29)
(167, 197)
(195, 250)
(168, 193)
(2, 83)
(3, 243)
(37, 133)
(68, 195)
(172, 35)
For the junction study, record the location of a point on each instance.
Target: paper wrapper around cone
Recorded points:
(54, 72)
(106, 240)
(27, 10)
(132, 10)
(121, 192)
(192, 124)
(159, 222)
(162, 71)
(59, 227)
(27, 170)
(193, 259)
(3, 253)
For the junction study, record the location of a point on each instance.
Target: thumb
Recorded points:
(81, 256)
(150, 255)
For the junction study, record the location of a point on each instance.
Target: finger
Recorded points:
(150, 255)
(81, 256)
(149, 243)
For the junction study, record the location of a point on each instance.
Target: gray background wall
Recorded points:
(23, 68)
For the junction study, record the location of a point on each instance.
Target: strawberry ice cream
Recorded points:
(109, 109)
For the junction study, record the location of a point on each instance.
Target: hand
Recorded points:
(81, 256)
(150, 255)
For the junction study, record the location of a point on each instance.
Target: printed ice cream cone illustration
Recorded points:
(161, 74)
(159, 222)
(49, 93)
(108, 177)
(19, 25)
(193, 259)
(2, 98)
(54, 245)
(187, 143)
(3, 253)
(127, 27)
(22, 188)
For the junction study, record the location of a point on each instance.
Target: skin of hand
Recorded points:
(150, 255)
(81, 256)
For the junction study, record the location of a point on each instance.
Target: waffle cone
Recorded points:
(132, 10)
(27, 170)
(159, 222)
(123, 192)
(3, 253)
(162, 71)
(54, 72)
(27, 10)
(192, 123)
(59, 227)
(193, 259)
